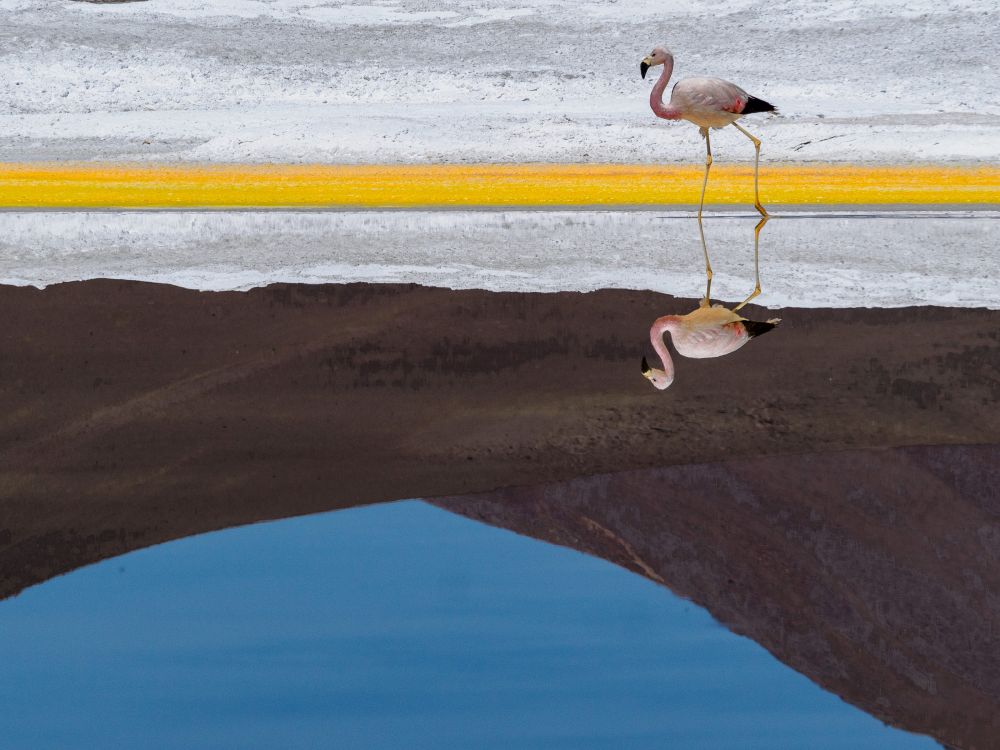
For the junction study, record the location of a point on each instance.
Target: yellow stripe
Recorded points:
(152, 186)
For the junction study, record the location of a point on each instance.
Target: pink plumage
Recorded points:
(708, 103)
(706, 332)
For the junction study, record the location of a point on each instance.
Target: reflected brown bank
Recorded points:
(774, 486)
(873, 572)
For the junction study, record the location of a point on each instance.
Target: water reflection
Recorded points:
(125, 403)
(399, 625)
(710, 330)
(135, 414)
(873, 573)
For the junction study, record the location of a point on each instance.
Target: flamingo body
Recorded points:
(703, 333)
(708, 332)
(708, 102)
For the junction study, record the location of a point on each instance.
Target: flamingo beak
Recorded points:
(643, 67)
(646, 369)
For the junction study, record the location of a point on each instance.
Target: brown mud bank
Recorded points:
(133, 413)
(875, 573)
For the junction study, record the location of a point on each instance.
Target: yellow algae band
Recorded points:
(442, 185)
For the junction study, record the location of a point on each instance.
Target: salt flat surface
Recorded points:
(857, 260)
(491, 80)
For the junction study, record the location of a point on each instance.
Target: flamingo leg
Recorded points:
(756, 260)
(708, 165)
(708, 266)
(756, 169)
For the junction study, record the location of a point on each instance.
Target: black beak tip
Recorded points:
(645, 366)
(643, 68)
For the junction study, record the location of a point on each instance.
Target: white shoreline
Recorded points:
(817, 261)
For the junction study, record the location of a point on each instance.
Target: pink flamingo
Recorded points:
(705, 332)
(708, 103)
(709, 331)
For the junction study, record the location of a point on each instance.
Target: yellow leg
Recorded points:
(756, 261)
(708, 165)
(756, 169)
(708, 266)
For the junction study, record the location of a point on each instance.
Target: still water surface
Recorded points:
(398, 625)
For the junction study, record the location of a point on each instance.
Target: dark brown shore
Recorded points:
(137, 413)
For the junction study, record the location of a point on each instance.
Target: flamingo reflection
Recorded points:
(710, 330)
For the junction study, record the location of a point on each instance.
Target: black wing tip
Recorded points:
(757, 105)
(759, 328)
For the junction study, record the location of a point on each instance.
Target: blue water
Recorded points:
(394, 626)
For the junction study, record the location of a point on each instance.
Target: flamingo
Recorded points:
(708, 331)
(708, 103)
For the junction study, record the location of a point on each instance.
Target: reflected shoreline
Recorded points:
(873, 573)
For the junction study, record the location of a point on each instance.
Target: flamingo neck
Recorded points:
(666, 111)
(660, 327)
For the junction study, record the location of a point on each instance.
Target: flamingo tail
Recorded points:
(757, 105)
(757, 328)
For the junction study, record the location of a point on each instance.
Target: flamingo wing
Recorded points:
(710, 342)
(709, 95)
(709, 332)
(715, 316)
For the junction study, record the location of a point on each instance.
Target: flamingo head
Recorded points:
(657, 57)
(659, 379)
